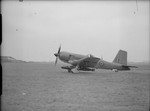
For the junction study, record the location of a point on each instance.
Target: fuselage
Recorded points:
(101, 64)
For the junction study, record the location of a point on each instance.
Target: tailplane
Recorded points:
(121, 57)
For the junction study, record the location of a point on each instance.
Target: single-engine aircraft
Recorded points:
(90, 63)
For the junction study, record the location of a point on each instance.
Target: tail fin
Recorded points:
(121, 57)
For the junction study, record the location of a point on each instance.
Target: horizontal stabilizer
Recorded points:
(129, 66)
(133, 66)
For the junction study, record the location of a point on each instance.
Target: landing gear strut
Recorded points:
(73, 70)
(69, 70)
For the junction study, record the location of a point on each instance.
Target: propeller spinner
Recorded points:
(57, 55)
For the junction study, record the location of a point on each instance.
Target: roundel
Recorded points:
(101, 63)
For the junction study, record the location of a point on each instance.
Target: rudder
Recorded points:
(121, 57)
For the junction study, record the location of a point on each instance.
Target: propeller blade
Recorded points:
(57, 55)
(56, 61)
(59, 49)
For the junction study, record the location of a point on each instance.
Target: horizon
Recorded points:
(59, 61)
(33, 31)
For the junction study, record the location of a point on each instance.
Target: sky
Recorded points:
(33, 30)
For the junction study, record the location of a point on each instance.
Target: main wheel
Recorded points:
(69, 70)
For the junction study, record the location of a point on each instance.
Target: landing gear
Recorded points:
(115, 70)
(92, 69)
(69, 70)
(74, 70)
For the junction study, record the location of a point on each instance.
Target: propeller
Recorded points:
(57, 54)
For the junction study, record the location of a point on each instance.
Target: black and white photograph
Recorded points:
(72, 55)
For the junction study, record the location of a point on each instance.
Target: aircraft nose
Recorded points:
(56, 54)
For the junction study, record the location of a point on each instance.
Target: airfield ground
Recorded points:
(43, 87)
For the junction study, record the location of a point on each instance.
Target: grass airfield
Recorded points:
(44, 87)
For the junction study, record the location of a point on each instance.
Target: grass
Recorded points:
(44, 87)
